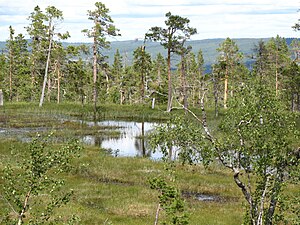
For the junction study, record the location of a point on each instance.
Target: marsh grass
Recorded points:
(116, 189)
(137, 113)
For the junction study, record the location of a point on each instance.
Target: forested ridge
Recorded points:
(208, 47)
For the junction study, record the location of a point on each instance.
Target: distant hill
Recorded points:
(208, 47)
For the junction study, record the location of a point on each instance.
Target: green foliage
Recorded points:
(18, 72)
(32, 189)
(188, 147)
(159, 78)
(291, 86)
(229, 67)
(257, 138)
(170, 199)
(256, 141)
(171, 37)
(142, 65)
(76, 81)
(272, 58)
(103, 25)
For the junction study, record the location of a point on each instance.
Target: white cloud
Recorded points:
(212, 18)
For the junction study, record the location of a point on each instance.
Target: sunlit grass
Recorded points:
(116, 189)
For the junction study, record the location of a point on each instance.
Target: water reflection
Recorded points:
(130, 142)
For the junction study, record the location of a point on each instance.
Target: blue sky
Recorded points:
(212, 18)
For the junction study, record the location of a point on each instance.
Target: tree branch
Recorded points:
(20, 220)
(262, 202)
(241, 185)
(242, 142)
(157, 214)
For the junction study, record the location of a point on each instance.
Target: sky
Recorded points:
(212, 18)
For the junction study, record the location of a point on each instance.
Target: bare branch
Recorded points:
(157, 214)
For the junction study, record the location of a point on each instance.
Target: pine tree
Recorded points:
(115, 83)
(103, 27)
(142, 65)
(52, 15)
(37, 32)
(159, 84)
(17, 59)
(229, 58)
(279, 58)
(171, 38)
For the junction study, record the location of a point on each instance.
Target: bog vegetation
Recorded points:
(231, 134)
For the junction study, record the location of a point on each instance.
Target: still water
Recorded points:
(130, 142)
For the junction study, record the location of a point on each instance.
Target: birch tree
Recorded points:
(256, 141)
(32, 190)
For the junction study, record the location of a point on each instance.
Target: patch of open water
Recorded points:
(131, 141)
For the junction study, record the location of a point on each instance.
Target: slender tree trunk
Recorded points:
(274, 198)
(58, 83)
(47, 64)
(49, 89)
(107, 84)
(226, 88)
(169, 107)
(10, 74)
(193, 94)
(276, 75)
(121, 97)
(298, 101)
(143, 74)
(215, 95)
(153, 103)
(183, 76)
(25, 205)
(1, 97)
(95, 76)
(142, 87)
(157, 214)
(32, 98)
